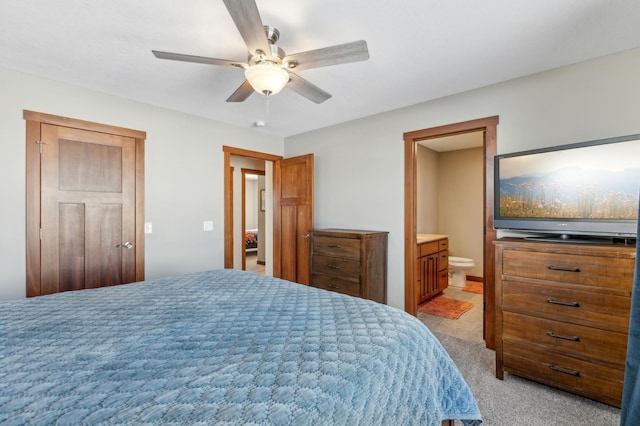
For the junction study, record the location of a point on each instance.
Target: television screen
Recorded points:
(589, 188)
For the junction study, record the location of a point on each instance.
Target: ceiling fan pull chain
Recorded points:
(267, 96)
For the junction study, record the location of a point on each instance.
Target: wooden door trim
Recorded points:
(488, 125)
(81, 124)
(34, 120)
(228, 194)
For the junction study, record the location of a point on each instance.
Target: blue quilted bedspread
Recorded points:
(222, 347)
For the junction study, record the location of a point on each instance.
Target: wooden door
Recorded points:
(88, 218)
(293, 218)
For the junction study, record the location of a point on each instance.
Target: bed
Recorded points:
(222, 347)
(251, 240)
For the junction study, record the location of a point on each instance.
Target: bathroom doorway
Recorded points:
(488, 127)
(449, 186)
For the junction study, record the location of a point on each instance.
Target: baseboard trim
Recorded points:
(472, 278)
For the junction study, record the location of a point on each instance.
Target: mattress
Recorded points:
(222, 347)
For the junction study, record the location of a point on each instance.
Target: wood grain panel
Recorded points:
(348, 248)
(569, 268)
(595, 381)
(288, 214)
(111, 237)
(89, 167)
(71, 246)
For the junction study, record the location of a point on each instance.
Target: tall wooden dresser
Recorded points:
(563, 314)
(348, 261)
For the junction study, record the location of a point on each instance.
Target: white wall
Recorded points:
(359, 166)
(183, 173)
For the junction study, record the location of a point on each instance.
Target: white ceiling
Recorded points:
(419, 50)
(454, 142)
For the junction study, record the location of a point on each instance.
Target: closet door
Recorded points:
(88, 223)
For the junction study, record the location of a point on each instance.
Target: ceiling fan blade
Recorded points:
(197, 59)
(306, 89)
(246, 16)
(332, 55)
(242, 93)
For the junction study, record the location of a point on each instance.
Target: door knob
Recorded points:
(126, 245)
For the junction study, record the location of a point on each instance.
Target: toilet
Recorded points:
(458, 267)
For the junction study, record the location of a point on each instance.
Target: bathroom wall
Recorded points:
(427, 191)
(461, 204)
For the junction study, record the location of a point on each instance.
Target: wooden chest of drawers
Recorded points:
(563, 315)
(352, 262)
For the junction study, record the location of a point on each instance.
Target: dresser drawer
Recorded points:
(336, 284)
(443, 244)
(572, 374)
(602, 310)
(347, 248)
(569, 268)
(335, 266)
(564, 337)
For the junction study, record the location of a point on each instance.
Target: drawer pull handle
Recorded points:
(564, 370)
(336, 287)
(558, 336)
(334, 246)
(558, 302)
(562, 268)
(332, 266)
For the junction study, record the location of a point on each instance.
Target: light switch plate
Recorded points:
(148, 229)
(207, 225)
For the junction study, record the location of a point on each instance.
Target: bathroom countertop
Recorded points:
(427, 238)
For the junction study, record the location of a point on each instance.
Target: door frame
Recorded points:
(34, 120)
(228, 195)
(488, 126)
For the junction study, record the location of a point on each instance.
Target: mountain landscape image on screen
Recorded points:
(572, 193)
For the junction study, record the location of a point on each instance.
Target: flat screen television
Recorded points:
(570, 192)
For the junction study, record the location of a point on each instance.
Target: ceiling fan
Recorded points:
(268, 69)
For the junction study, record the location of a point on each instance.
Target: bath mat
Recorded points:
(445, 307)
(474, 288)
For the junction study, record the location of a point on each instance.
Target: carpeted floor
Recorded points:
(516, 401)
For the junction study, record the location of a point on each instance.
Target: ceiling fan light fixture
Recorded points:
(267, 79)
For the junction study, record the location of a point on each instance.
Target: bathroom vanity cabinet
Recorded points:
(562, 314)
(432, 273)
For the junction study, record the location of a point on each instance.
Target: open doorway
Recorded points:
(254, 210)
(450, 202)
(289, 198)
(488, 127)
